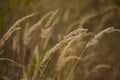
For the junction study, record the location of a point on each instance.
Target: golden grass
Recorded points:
(96, 38)
(13, 28)
(71, 48)
(92, 42)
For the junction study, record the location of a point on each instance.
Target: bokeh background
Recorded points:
(106, 13)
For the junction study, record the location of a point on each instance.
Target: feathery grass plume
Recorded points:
(47, 30)
(72, 25)
(13, 28)
(62, 59)
(82, 21)
(39, 23)
(100, 66)
(60, 64)
(51, 19)
(103, 21)
(48, 55)
(97, 67)
(96, 38)
(28, 32)
(75, 32)
(89, 56)
(72, 36)
(25, 38)
(16, 45)
(15, 49)
(69, 58)
(36, 53)
(79, 38)
(47, 33)
(93, 41)
(64, 51)
(59, 45)
(12, 61)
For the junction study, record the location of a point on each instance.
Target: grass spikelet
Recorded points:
(75, 32)
(62, 62)
(62, 59)
(13, 28)
(34, 27)
(93, 41)
(12, 61)
(51, 19)
(46, 33)
(36, 53)
(26, 39)
(100, 66)
(67, 38)
(61, 44)
(99, 35)
(16, 44)
(39, 23)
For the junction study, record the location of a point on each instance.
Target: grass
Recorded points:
(75, 57)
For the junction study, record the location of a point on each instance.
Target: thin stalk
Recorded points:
(83, 51)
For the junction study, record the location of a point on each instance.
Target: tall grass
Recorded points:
(43, 61)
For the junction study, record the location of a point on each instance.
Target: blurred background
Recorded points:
(96, 16)
(12, 10)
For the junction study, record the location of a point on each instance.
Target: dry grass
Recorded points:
(13, 28)
(45, 61)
